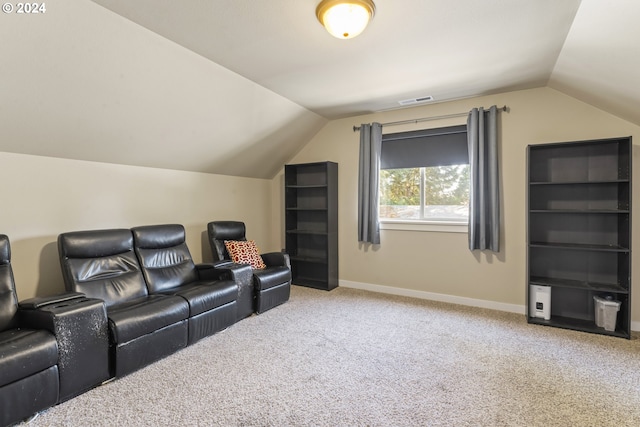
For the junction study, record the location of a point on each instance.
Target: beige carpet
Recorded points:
(354, 358)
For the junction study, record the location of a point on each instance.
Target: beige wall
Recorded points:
(47, 196)
(435, 262)
(43, 197)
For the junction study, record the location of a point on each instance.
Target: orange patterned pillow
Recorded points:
(245, 252)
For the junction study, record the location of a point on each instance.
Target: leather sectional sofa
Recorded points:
(51, 349)
(157, 300)
(133, 297)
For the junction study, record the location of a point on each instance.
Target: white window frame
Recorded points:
(424, 226)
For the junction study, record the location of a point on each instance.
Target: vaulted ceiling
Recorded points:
(238, 87)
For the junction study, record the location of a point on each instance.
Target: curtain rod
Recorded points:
(426, 119)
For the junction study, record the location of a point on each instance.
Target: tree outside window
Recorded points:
(439, 193)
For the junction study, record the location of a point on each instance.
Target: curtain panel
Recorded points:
(484, 203)
(368, 179)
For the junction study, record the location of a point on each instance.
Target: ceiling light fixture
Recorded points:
(345, 19)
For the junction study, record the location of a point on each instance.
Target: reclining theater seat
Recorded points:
(271, 285)
(168, 268)
(143, 328)
(28, 357)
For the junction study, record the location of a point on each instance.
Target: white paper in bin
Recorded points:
(606, 313)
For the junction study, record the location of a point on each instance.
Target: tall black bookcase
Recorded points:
(311, 223)
(579, 232)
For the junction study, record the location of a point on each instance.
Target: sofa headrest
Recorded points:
(226, 230)
(8, 297)
(158, 236)
(5, 250)
(95, 243)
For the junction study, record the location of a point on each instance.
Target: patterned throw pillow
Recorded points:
(245, 252)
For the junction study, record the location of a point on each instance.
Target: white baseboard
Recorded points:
(512, 308)
(472, 302)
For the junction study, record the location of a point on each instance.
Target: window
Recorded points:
(424, 176)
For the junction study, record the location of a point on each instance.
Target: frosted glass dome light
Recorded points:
(345, 19)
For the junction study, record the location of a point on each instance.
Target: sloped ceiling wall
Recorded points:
(81, 82)
(600, 60)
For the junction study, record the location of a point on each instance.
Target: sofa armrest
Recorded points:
(242, 275)
(236, 272)
(212, 270)
(276, 259)
(39, 302)
(80, 327)
(221, 263)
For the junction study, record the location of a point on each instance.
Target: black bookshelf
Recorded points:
(579, 231)
(311, 223)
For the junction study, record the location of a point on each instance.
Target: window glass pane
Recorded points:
(400, 193)
(446, 192)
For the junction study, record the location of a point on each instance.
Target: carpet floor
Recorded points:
(356, 358)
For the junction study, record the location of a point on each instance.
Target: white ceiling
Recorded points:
(237, 87)
(412, 48)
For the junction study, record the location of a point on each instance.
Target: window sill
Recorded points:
(428, 226)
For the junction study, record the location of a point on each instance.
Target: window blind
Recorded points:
(425, 148)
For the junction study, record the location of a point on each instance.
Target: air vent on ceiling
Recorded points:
(416, 100)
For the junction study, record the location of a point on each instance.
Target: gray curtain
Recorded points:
(484, 203)
(368, 178)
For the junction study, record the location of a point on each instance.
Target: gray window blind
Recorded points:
(425, 148)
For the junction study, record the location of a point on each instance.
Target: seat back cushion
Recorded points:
(101, 264)
(164, 256)
(219, 231)
(8, 299)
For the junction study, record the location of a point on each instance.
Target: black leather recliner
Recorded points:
(143, 327)
(272, 285)
(29, 379)
(169, 269)
(68, 331)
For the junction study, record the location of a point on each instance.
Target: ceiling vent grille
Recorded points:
(412, 101)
